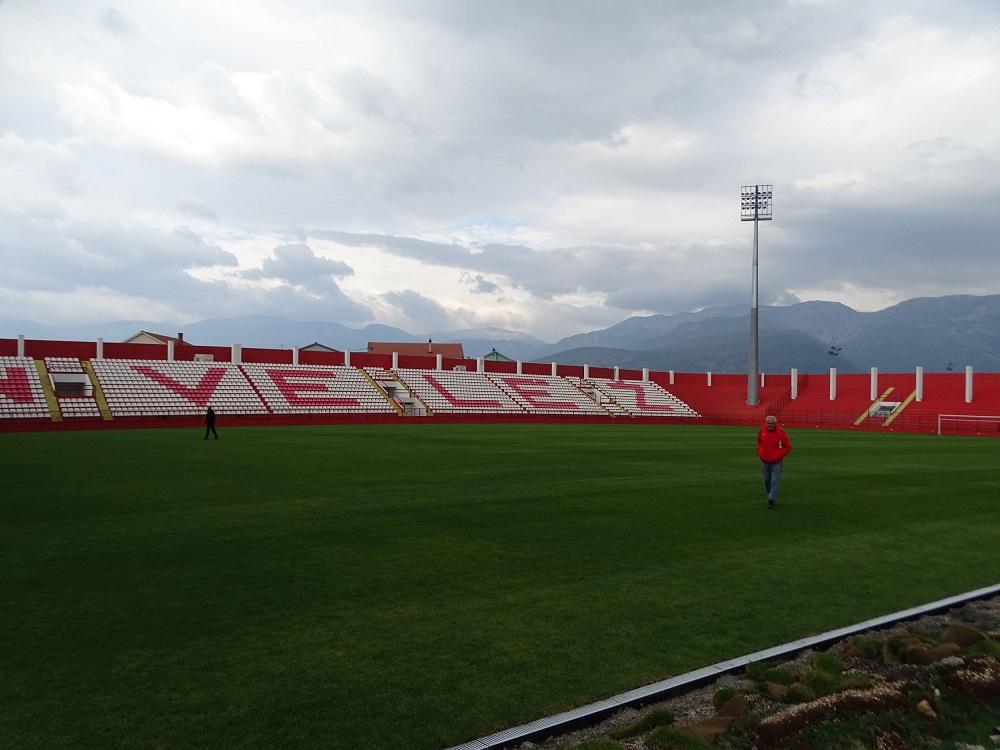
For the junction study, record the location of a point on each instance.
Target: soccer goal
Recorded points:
(966, 423)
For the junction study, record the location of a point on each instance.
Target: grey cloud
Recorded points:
(195, 208)
(298, 264)
(114, 21)
(45, 254)
(617, 271)
(368, 92)
(479, 283)
(420, 309)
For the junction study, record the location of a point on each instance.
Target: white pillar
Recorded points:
(395, 360)
(617, 373)
(438, 361)
(554, 366)
(833, 383)
(519, 367)
(480, 365)
(795, 383)
(295, 356)
(237, 356)
(709, 378)
(20, 345)
(645, 374)
(586, 372)
(873, 391)
(170, 351)
(968, 384)
(762, 380)
(100, 348)
(347, 357)
(920, 384)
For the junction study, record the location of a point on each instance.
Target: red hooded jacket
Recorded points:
(773, 446)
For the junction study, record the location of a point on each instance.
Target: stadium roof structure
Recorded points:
(148, 337)
(315, 346)
(452, 351)
(496, 356)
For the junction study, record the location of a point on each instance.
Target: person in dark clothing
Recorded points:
(772, 447)
(210, 423)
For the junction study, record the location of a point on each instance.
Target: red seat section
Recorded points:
(311, 389)
(21, 394)
(458, 392)
(135, 388)
(638, 398)
(545, 394)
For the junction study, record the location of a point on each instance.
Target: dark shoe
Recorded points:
(770, 504)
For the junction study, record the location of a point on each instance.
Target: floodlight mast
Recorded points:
(755, 206)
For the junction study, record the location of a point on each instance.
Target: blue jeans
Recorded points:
(772, 475)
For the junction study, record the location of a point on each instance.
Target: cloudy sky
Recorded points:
(550, 167)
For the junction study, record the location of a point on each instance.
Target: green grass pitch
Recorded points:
(416, 586)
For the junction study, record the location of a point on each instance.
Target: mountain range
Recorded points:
(936, 332)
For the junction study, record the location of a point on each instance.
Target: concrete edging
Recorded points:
(592, 713)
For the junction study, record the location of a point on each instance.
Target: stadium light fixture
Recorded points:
(755, 206)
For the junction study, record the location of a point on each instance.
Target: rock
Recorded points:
(995, 736)
(963, 635)
(995, 635)
(925, 708)
(949, 662)
(944, 650)
(919, 655)
(708, 730)
(776, 691)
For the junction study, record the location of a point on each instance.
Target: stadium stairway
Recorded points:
(50, 395)
(102, 403)
(398, 407)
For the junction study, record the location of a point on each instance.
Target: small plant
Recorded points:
(666, 738)
(821, 682)
(800, 693)
(768, 672)
(870, 648)
(855, 681)
(659, 717)
(987, 647)
(722, 697)
(824, 661)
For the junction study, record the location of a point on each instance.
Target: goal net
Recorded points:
(968, 424)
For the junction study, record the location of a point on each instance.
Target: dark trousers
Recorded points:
(210, 427)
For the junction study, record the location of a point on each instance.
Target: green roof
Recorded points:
(497, 356)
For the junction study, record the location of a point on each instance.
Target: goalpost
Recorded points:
(959, 419)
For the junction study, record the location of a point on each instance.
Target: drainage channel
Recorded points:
(593, 713)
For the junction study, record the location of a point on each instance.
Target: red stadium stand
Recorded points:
(545, 394)
(640, 398)
(450, 391)
(21, 393)
(310, 389)
(135, 388)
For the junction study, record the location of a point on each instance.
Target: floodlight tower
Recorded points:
(755, 206)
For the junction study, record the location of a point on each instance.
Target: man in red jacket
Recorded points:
(772, 447)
